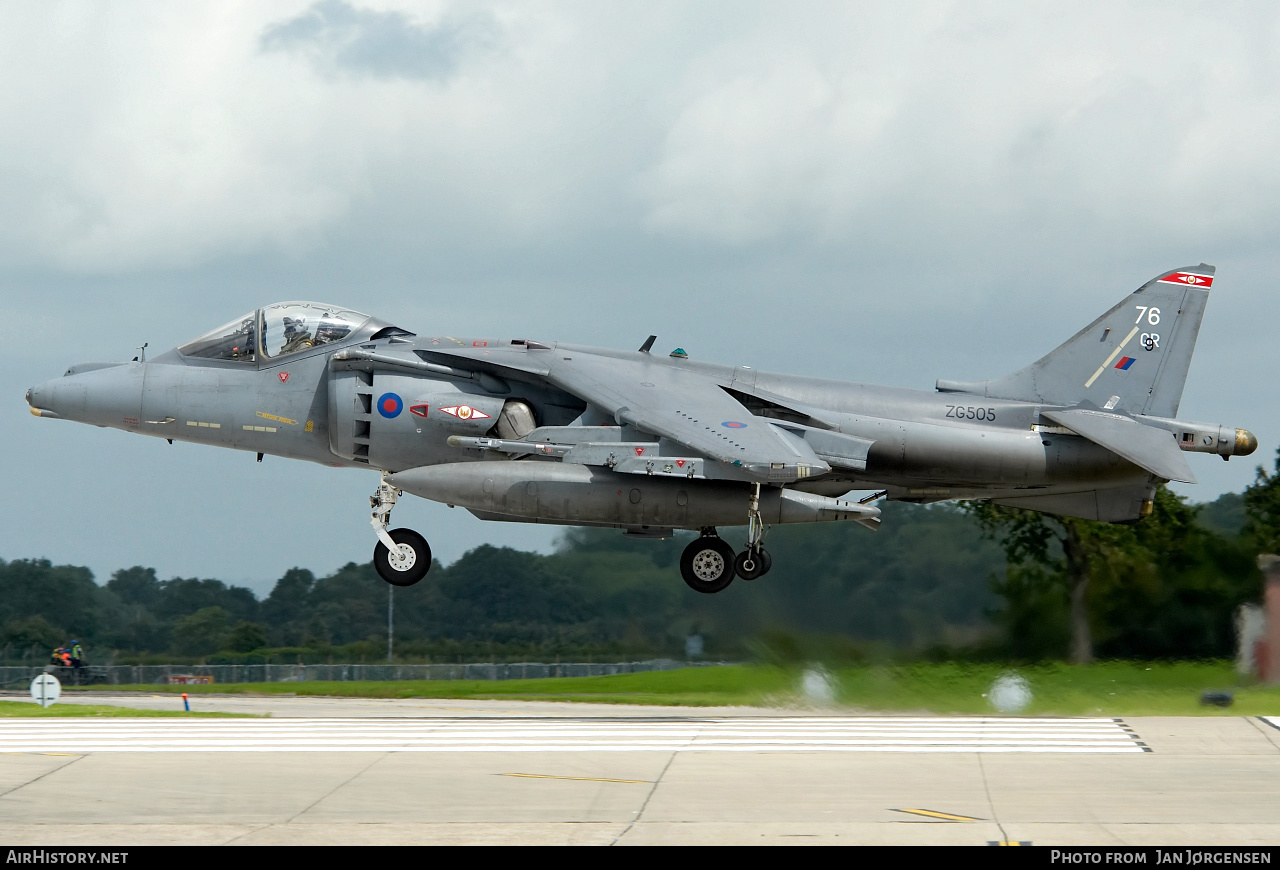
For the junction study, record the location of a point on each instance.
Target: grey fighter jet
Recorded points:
(527, 431)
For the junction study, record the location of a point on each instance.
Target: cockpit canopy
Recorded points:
(276, 331)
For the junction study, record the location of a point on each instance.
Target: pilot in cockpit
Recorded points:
(296, 336)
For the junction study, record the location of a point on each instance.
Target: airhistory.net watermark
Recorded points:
(44, 856)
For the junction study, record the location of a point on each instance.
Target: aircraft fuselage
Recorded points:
(521, 431)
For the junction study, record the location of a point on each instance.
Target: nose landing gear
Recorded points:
(401, 556)
(408, 563)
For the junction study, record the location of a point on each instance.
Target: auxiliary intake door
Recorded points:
(350, 414)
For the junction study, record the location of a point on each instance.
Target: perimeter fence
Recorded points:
(117, 675)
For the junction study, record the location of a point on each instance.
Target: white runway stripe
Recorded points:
(791, 734)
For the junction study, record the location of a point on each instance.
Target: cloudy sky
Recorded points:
(881, 192)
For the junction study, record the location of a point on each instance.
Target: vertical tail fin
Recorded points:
(1135, 357)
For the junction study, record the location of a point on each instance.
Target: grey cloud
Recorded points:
(341, 37)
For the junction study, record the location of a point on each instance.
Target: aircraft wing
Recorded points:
(689, 408)
(668, 401)
(1156, 450)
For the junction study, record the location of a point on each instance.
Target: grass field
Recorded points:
(32, 710)
(1102, 689)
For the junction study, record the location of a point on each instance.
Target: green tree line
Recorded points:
(970, 579)
(1165, 587)
(922, 580)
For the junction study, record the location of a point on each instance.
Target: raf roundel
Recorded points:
(733, 424)
(390, 405)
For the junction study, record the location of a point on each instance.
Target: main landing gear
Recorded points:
(708, 564)
(401, 556)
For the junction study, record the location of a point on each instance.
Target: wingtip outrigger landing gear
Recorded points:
(401, 556)
(708, 564)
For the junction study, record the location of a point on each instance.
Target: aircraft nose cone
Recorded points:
(42, 399)
(1246, 443)
(101, 394)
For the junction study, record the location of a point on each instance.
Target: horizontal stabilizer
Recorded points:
(1156, 450)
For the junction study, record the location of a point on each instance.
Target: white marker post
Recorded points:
(45, 689)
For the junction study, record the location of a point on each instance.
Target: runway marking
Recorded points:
(949, 817)
(756, 734)
(1273, 721)
(575, 778)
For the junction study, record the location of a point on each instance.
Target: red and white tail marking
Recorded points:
(1189, 278)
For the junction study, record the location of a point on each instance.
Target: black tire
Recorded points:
(707, 565)
(419, 562)
(760, 563)
(767, 560)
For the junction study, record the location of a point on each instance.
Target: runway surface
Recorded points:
(369, 771)
(764, 734)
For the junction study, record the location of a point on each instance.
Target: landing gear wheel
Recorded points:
(407, 566)
(752, 564)
(707, 564)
